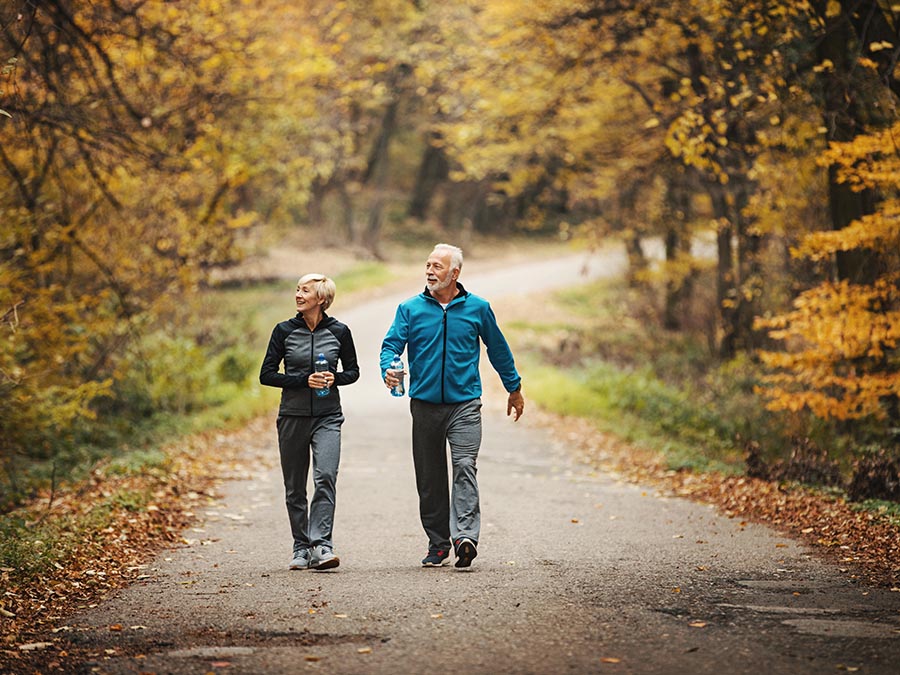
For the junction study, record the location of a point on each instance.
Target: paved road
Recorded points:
(576, 573)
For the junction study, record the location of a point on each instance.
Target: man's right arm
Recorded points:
(395, 340)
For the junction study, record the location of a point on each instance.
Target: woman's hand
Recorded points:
(321, 380)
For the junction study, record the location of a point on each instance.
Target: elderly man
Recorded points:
(442, 329)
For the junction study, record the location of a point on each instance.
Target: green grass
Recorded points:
(31, 549)
(638, 408)
(884, 510)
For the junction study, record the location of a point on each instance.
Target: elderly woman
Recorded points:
(309, 423)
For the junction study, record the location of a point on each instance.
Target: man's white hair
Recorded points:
(456, 254)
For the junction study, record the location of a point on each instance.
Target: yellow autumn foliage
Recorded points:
(841, 358)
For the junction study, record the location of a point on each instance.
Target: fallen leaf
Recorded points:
(437, 616)
(220, 664)
(575, 520)
(697, 624)
(780, 545)
(311, 657)
(116, 627)
(32, 646)
(807, 530)
(610, 659)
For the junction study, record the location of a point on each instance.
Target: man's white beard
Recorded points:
(439, 285)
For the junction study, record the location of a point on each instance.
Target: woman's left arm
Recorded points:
(349, 372)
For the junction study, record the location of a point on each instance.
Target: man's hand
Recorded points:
(516, 402)
(392, 378)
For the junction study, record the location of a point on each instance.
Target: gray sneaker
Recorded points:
(300, 561)
(323, 558)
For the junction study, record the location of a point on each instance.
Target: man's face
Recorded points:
(438, 274)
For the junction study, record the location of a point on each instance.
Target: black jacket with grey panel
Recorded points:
(294, 345)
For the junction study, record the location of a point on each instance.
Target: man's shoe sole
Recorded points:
(331, 563)
(465, 554)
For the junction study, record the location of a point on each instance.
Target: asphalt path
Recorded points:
(577, 572)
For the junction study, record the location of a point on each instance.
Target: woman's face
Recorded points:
(306, 298)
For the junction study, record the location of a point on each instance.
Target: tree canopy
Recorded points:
(142, 140)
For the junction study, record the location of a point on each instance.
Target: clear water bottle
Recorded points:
(397, 366)
(321, 367)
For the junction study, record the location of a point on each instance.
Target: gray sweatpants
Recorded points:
(447, 514)
(298, 438)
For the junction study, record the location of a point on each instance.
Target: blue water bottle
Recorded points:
(321, 367)
(397, 366)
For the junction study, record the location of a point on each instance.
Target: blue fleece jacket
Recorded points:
(444, 347)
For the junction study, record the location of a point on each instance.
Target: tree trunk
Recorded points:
(377, 176)
(726, 291)
(845, 118)
(349, 214)
(314, 206)
(637, 259)
(433, 170)
(679, 282)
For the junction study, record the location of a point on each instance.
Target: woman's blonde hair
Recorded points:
(325, 288)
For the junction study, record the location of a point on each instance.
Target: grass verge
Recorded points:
(638, 408)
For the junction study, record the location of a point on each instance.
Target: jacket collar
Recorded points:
(461, 294)
(298, 319)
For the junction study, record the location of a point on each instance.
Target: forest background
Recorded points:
(149, 147)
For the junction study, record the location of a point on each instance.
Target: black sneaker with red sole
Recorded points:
(465, 552)
(436, 558)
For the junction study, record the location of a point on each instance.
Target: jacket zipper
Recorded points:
(312, 369)
(444, 355)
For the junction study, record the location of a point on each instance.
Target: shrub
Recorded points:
(876, 475)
